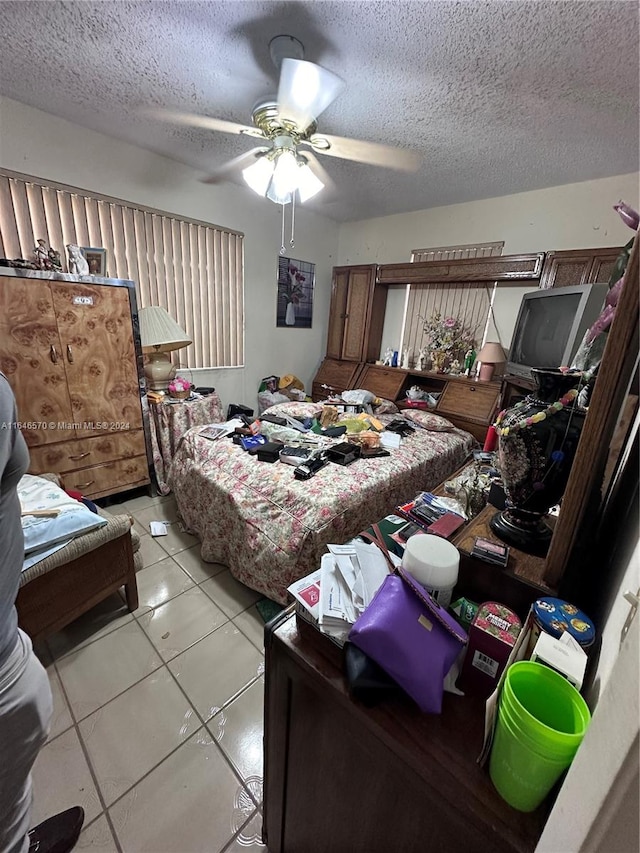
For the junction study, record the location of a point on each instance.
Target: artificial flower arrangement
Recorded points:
(447, 334)
(179, 387)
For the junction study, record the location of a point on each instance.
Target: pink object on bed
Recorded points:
(271, 529)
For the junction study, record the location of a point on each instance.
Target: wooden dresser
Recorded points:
(70, 352)
(345, 778)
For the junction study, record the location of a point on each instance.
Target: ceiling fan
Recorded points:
(285, 165)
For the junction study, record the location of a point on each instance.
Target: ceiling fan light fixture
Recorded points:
(258, 175)
(308, 183)
(284, 181)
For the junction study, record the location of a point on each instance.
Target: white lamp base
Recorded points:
(158, 371)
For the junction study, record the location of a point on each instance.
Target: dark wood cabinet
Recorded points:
(345, 778)
(578, 266)
(356, 315)
(334, 376)
(467, 403)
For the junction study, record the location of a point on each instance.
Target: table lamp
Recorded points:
(159, 335)
(490, 355)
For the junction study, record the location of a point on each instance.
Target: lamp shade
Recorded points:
(491, 353)
(159, 332)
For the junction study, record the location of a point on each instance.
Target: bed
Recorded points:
(271, 529)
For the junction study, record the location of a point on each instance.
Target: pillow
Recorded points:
(295, 409)
(427, 420)
(73, 517)
(385, 407)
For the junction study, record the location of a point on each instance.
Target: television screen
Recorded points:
(551, 325)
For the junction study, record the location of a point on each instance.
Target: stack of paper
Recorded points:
(336, 594)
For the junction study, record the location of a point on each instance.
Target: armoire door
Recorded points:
(357, 318)
(31, 358)
(94, 322)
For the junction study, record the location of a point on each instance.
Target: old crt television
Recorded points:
(551, 325)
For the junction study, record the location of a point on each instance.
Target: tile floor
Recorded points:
(157, 728)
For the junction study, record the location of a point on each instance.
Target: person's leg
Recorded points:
(25, 716)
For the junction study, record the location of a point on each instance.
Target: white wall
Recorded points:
(45, 146)
(574, 216)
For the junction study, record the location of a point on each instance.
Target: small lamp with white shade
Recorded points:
(159, 335)
(490, 355)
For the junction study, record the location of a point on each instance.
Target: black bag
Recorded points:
(367, 681)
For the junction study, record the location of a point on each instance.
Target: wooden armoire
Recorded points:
(70, 353)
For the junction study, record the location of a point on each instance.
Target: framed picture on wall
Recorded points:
(97, 260)
(296, 280)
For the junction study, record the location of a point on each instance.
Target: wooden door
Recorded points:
(358, 314)
(96, 334)
(337, 312)
(31, 359)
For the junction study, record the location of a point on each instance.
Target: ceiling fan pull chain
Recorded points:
(282, 248)
(293, 218)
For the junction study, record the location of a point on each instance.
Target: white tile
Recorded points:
(216, 669)
(165, 511)
(61, 779)
(251, 624)
(108, 615)
(181, 622)
(195, 566)
(160, 582)
(134, 505)
(231, 596)
(249, 838)
(189, 803)
(97, 838)
(176, 540)
(61, 719)
(130, 735)
(238, 729)
(98, 672)
(150, 550)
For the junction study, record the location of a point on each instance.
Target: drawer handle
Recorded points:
(80, 455)
(53, 354)
(472, 389)
(83, 485)
(69, 354)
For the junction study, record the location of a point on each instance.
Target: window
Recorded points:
(193, 269)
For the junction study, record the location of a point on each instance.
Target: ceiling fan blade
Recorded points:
(366, 152)
(206, 122)
(305, 90)
(320, 172)
(234, 165)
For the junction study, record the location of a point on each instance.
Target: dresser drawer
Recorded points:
(473, 401)
(109, 478)
(85, 452)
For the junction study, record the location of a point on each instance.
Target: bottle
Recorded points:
(469, 358)
(434, 563)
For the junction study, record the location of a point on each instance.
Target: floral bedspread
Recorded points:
(271, 529)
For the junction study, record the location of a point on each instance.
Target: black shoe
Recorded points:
(57, 834)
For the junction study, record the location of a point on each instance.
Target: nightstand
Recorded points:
(168, 422)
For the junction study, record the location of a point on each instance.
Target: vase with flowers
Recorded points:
(290, 290)
(179, 388)
(447, 339)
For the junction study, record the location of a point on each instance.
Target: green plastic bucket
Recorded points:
(541, 722)
(545, 705)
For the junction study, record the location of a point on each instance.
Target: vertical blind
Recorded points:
(193, 269)
(469, 302)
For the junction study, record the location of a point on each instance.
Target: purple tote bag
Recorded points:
(411, 637)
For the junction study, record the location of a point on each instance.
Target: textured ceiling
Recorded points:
(497, 97)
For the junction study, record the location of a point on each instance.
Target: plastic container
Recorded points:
(434, 563)
(541, 722)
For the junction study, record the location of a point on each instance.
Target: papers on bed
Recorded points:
(336, 594)
(216, 431)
